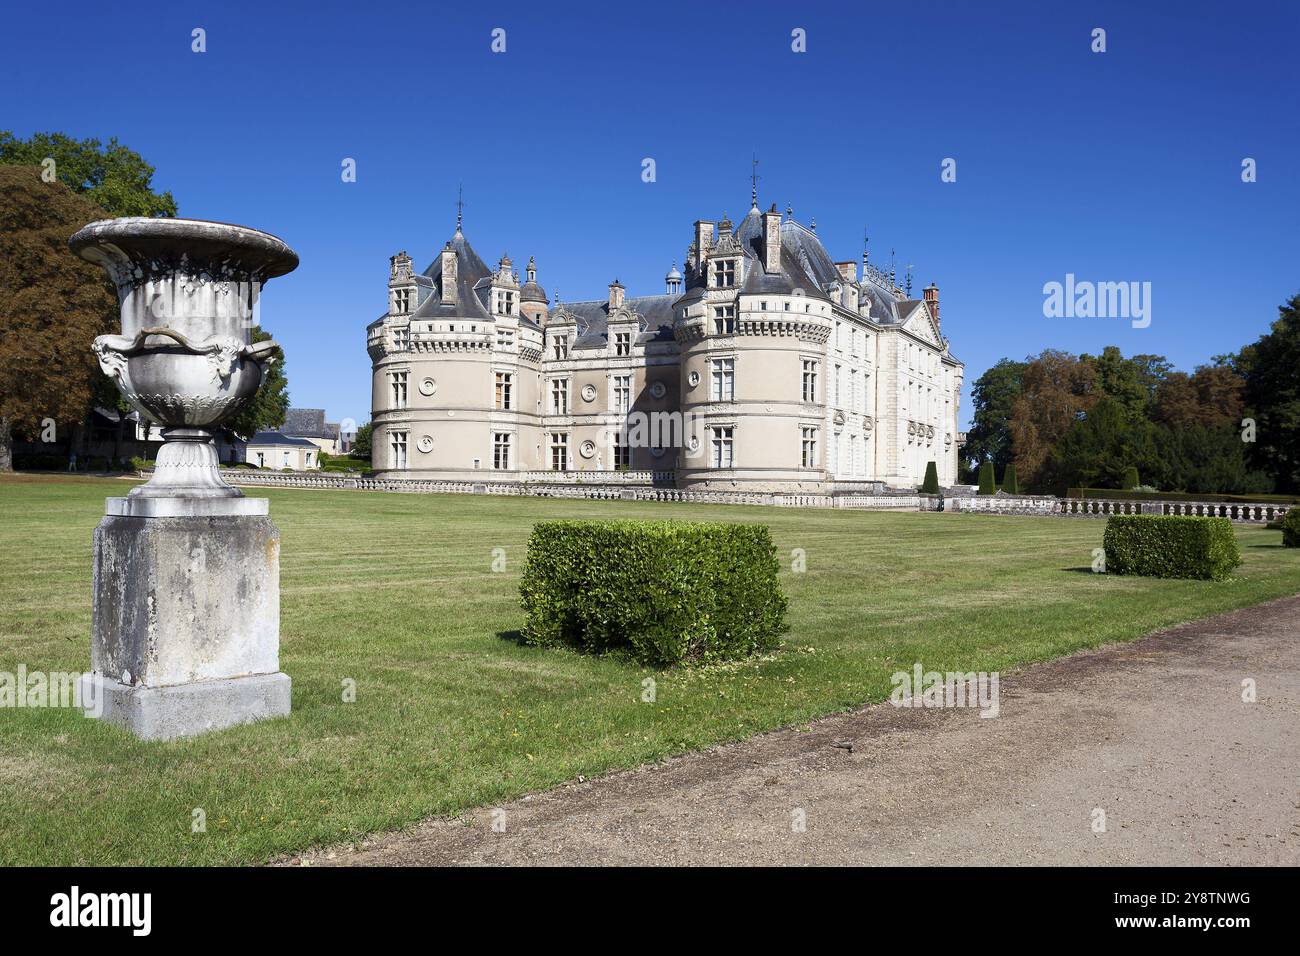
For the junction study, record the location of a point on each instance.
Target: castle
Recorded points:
(764, 365)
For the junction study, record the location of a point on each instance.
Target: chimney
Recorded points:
(932, 300)
(703, 242)
(772, 240)
(848, 270)
(449, 290)
(399, 267)
(615, 296)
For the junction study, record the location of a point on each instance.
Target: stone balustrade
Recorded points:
(656, 486)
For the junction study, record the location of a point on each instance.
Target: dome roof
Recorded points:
(673, 273)
(532, 292)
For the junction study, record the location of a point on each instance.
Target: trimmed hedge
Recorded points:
(1009, 483)
(930, 486)
(665, 592)
(1291, 528)
(1171, 546)
(1131, 479)
(988, 486)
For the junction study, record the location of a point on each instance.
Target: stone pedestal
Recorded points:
(186, 618)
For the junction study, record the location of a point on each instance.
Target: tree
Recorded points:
(1271, 367)
(111, 176)
(1058, 390)
(987, 484)
(361, 444)
(1121, 380)
(1131, 479)
(992, 396)
(52, 306)
(931, 484)
(269, 405)
(1009, 483)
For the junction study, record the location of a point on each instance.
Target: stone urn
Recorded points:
(185, 359)
(186, 582)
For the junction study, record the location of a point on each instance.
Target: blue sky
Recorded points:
(1119, 166)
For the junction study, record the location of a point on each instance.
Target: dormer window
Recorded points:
(505, 303)
(724, 273)
(622, 343)
(401, 301)
(561, 346)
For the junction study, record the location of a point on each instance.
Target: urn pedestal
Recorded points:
(186, 579)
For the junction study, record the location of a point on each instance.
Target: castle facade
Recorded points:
(765, 365)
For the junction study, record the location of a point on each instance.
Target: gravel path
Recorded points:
(1154, 733)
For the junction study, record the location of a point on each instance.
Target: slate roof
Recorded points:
(275, 438)
(307, 423)
(473, 279)
(593, 319)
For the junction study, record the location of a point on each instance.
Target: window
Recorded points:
(397, 380)
(724, 379)
(501, 450)
(722, 441)
(839, 385)
(308, 460)
(503, 390)
(559, 451)
(561, 346)
(401, 339)
(724, 320)
(401, 300)
(622, 393)
(285, 462)
(724, 273)
(622, 343)
(853, 455)
(261, 459)
(559, 396)
(809, 380)
(622, 453)
(397, 444)
(505, 337)
(809, 447)
(506, 303)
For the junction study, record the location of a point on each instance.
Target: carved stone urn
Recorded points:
(185, 624)
(185, 359)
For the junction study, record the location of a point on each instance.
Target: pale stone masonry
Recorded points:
(765, 365)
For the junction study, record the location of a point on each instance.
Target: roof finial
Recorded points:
(909, 280)
(865, 239)
(753, 183)
(460, 205)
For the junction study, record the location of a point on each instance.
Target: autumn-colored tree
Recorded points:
(1212, 396)
(52, 305)
(1056, 390)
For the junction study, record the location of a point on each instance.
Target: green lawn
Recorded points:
(396, 592)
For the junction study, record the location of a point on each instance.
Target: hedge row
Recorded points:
(665, 592)
(1171, 546)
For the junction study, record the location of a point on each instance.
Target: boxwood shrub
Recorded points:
(1291, 528)
(1171, 546)
(664, 592)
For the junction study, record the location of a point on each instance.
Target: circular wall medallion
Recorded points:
(693, 379)
(425, 444)
(428, 387)
(657, 390)
(589, 393)
(587, 449)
